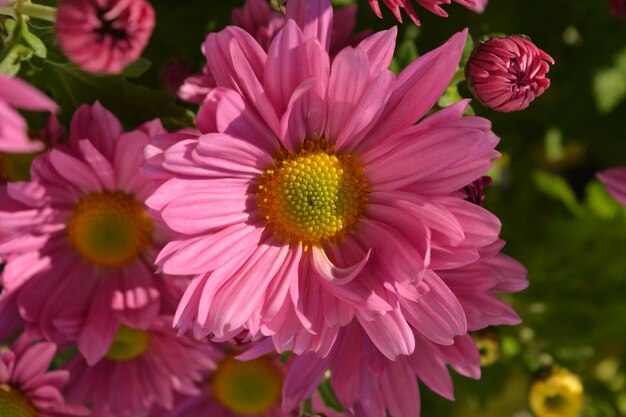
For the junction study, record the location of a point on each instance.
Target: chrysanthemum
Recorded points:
(141, 368)
(104, 35)
(80, 246)
(433, 6)
(368, 384)
(507, 74)
(312, 196)
(258, 19)
(236, 389)
(615, 181)
(15, 93)
(27, 389)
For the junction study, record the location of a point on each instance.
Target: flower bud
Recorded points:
(104, 35)
(507, 74)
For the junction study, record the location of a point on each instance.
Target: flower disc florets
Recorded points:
(314, 194)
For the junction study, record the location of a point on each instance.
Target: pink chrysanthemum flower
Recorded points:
(433, 6)
(79, 227)
(262, 22)
(27, 389)
(368, 384)
(15, 93)
(236, 389)
(507, 74)
(618, 9)
(615, 181)
(141, 368)
(312, 195)
(104, 35)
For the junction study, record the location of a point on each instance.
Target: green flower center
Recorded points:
(109, 229)
(313, 195)
(128, 344)
(247, 388)
(15, 404)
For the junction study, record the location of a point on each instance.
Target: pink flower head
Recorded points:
(15, 93)
(236, 388)
(312, 197)
(104, 35)
(141, 368)
(507, 74)
(368, 384)
(433, 6)
(80, 247)
(27, 389)
(615, 181)
(262, 22)
(618, 9)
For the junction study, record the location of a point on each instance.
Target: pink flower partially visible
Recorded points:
(262, 22)
(615, 181)
(433, 6)
(618, 9)
(27, 389)
(79, 245)
(507, 74)
(15, 93)
(368, 384)
(142, 368)
(104, 35)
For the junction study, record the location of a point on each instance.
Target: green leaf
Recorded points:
(328, 396)
(600, 201)
(133, 103)
(36, 44)
(137, 68)
(557, 188)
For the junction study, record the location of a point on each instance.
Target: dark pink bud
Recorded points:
(618, 9)
(104, 35)
(507, 74)
(433, 6)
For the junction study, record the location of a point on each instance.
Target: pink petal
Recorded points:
(314, 17)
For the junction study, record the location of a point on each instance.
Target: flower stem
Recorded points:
(306, 408)
(38, 11)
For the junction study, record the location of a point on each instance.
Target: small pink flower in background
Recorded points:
(27, 389)
(15, 93)
(618, 9)
(507, 74)
(615, 181)
(173, 73)
(433, 6)
(79, 244)
(141, 369)
(104, 36)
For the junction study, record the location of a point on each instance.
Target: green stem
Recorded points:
(38, 11)
(306, 408)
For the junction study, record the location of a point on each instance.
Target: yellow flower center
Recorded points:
(313, 195)
(247, 388)
(109, 229)
(128, 344)
(15, 404)
(559, 395)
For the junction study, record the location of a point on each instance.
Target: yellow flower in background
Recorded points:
(560, 394)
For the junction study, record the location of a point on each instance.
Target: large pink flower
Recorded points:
(15, 93)
(258, 19)
(142, 368)
(80, 247)
(312, 197)
(433, 6)
(368, 384)
(615, 181)
(27, 389)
